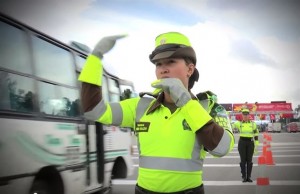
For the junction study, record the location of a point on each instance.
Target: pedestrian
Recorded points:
(173, 130)
(248, 143)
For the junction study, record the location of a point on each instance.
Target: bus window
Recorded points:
(114, 93)
(127, 92)
(17, 93)
(14, 53)
(105, 92)
(58, 101)
(80, 61)
(53, 63)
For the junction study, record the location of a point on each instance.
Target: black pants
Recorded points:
(196, 190)
(246, 150)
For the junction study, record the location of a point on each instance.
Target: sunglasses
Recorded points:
(245, 113)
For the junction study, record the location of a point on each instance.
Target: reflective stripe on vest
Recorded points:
(96, 112)
(99, 110)
(173, 164)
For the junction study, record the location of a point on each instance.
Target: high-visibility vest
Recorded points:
(174, 154)
(247, 129)
(171, 158)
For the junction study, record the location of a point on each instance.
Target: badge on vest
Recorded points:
(142, 126)
(186, 126)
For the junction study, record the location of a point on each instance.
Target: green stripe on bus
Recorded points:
(112, 154)
(64, 126)
(31, 147)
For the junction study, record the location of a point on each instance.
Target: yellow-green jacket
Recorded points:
(247, 129)
(171, 144)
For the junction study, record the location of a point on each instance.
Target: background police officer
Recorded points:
(247, 143)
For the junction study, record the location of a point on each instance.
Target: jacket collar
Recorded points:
(246, 121)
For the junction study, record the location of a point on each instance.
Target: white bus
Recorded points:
(46, 145)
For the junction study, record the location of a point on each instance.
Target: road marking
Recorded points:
(238, 165)
(256, 156)
(216, 183)
(228, 157)
(285, 143)
(236, 152)
(272, 143)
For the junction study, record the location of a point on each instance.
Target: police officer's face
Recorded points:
(174, 68)
(245, 116)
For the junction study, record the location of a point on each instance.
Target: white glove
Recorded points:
(173, 86)
(105, 45)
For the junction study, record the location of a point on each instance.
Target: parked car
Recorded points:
(293, 127)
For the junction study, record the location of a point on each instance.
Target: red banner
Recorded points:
(228, 107)
(264, 116)
(272, 107)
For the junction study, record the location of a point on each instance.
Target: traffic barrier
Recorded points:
(262, 180)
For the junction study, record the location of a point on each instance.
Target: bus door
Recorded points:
(94, 156)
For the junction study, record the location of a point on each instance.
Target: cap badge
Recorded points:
(163, 41)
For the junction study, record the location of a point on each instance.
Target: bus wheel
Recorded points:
(40, 187)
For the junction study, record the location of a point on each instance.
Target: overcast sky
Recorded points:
(247, 50)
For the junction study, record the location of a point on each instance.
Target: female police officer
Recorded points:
(247, 143)
(172, 128)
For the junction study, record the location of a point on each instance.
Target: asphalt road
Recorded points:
(222, 175)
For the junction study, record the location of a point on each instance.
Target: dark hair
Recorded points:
(195, 76)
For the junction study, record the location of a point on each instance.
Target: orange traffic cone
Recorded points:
(267, 150)
(269, 137)
(269, 157)
(266, 145)
(265, 135)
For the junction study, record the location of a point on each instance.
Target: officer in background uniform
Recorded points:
(173, 129)
(248, 143)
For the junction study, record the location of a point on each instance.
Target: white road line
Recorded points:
(228, 157)
(271, 143)
(273, 150)
(285, 147)
(284, 143)
(217, 183)
(238, 165)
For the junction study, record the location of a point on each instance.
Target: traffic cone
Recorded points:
(266, 145)
(269, 157)
(265, 135)
(267, 150)
(262, 181)
(269, 137)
